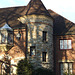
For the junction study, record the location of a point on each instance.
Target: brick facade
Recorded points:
(17, 52)
(62, 56)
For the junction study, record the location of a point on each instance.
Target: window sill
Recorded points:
(45, 62)
(45, 41)
(32, 56)
(65, 49)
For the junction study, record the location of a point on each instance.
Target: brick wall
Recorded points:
(17, 52)
(64, 55)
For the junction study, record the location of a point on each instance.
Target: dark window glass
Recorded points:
(44, 36)
(44, 56)
(32, 51)
(10, 38)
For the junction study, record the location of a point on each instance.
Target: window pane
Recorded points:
(0, 37)
(44, 56)
(64, 68)
(69, 44)
(32, 51)
(70, 68)
(65, 65)
(10, 38)
(65, 44)
(61, 69)
(44, 35)
(61, 44)
(3, 38)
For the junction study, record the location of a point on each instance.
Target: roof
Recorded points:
(10, 15)
(36, 7)
(6, 27)
(62, 26)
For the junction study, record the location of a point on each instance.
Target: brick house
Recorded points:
(40, 35)
(63, 35)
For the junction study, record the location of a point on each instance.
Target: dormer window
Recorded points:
(6, 35)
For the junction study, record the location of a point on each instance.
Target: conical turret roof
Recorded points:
(36, 7)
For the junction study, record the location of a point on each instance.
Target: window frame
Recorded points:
(67, 44)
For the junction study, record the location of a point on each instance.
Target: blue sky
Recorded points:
(66, 8)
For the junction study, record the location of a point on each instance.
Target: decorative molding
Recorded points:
(66, 61)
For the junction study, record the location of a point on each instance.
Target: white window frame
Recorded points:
(65, 44)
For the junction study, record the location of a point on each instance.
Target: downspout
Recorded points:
(26, 42)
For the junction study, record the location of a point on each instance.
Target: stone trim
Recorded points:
(66, 61)
(40, 23)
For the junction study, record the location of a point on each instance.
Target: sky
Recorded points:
(66, 8)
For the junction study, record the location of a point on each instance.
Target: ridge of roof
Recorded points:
(55, 13)
(61, 25)
(12, 7)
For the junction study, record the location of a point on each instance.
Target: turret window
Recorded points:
(32, 51)
(44, 36)
(44, 56)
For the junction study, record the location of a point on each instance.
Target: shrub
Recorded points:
(42, 71)
(24, 67)
(67, 73)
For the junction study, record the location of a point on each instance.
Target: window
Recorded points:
(3, 39)
(44, 56)
(18, 36)
(32, 51)
(44, 36)
(10, 38)
(65, 44)
(0, 38)
(66, 68)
